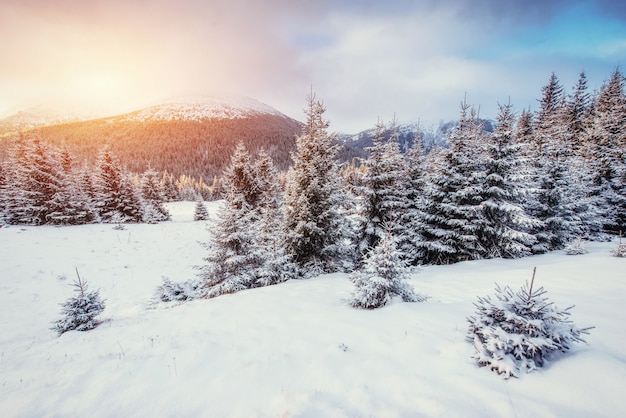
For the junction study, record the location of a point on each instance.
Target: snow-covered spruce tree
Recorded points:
(412, 218)
(578, 108)
(315, 224)
(232, 260)
(169, 187)
(71, 204)
(37, 178)
(154, 210)
(520, 330)
(383, 197)
(506, 223)
(80, 312)
(605, 142)
(117, 200)
(453, 214)
(555, 201)
(382, 277)
(277, 265)
(200, 212)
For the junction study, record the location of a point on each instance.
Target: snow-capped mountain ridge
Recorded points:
(193, 108)
(204, 107)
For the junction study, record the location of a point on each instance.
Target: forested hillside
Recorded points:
(197, 148)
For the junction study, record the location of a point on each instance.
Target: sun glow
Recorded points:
(102, 85)
(95, 92)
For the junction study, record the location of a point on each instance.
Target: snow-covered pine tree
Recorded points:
(586, 206)
(605, 140)
(315, 223)
(453, 215)
(169, 188)
(17, 203)
(277, 264)
(382, 277)
(519, 330)
(154, 210)
(554, 202)
(524, 131)
(200, 212)
(548, 122)
(71, 204)
(383, 197)
(116, 198)
(412, 219)
(44, 181)
(577, 110)
(506, 223)
(233, 258)
(80, 312)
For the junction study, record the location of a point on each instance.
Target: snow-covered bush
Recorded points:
(200, 212)
(382, 277)
(169, 291)
(575, 247)
(80, 312)
(620, 248)
(519, 330)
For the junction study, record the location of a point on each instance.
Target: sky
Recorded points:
(365, 59)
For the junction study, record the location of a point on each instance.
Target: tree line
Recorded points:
(536, 183)
(41, 184)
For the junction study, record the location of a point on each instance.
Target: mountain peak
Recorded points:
(204, 107)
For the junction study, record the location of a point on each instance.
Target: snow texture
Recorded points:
(292, 350)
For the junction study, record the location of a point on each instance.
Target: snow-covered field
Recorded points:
(292, 350)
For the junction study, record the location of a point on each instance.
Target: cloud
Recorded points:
(365, 58)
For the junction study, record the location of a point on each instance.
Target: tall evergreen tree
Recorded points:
(154, 210)
(315, 223)
(277, 264)
(554, 202)
(412, 219)
(233, 259)
(548, 123)
(453, 216)
(116, 198)
(606, 151)
(71, 204)
(577, 110)
(506, 223)
(43, 182)
(383, 197)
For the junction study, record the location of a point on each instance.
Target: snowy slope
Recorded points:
(204, 107)
(40, 116)
(292, 350)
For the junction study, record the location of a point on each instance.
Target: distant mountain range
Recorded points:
(194, 136)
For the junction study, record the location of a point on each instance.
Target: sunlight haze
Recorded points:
(366, 59)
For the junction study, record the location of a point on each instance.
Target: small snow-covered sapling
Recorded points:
(80, 311)
(519, 330)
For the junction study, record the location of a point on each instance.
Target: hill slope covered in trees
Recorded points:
(194, 137)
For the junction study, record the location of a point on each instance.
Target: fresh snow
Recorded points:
(292, 350)
(204, 107)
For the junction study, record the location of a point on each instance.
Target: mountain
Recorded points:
(38, 116)
(192, 136)
(354, 145)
